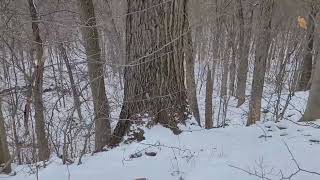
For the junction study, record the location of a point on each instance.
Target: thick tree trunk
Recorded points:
(154, 75)
(211, 72)
(312, 111)
(5, 159)
(307, 60)
(190, 79)
(263, 44)
(42, 140)
(96, 74)
(244, 46)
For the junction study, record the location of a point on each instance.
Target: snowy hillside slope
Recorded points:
(197, 154)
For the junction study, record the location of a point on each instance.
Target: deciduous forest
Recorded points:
(159, 89)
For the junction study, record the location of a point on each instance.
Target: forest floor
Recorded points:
(267, 150)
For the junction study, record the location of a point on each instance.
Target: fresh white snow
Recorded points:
(198, 154)
(195, 154)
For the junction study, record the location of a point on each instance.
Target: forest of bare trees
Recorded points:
(82, 76)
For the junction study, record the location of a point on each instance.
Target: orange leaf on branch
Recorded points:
(302, 22)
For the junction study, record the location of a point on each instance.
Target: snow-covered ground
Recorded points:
(198, 154)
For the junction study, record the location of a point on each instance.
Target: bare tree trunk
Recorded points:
(263, 44)
(225, 70)
(42, 140)
(75, 94)
(232, 69)
(191, 82)
(154, 74)
(211, 72)
(244, 46)
(312, 111)
(281, 71)
(307, 60)
(208, 102)
(96, 74)
(76, 101)
(4, 151)
(115, 38)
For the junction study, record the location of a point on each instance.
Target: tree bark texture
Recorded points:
(190, 79)
(208, 101)
(96, 74)
(244, 46)
(4, 151)
(307, 60)
(42, 140)
(154, 75)
(312, 111)
(263, 44)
